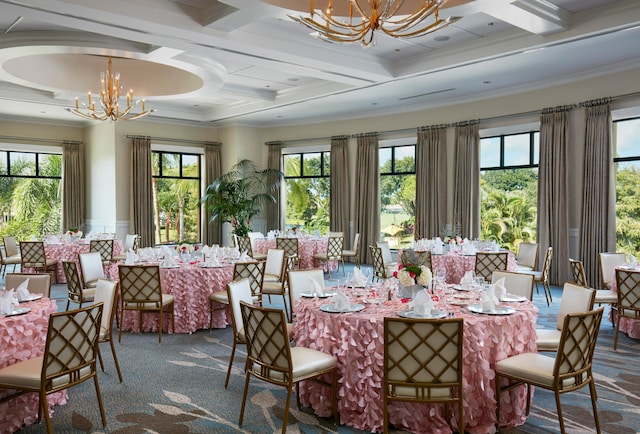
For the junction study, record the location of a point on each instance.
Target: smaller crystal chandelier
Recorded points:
(368, 16)
(109, 96)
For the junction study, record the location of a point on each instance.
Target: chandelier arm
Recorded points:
(139, 115)
(415, 18)
(429, 29)
(323, 29)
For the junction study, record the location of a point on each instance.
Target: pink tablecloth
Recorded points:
(457, 264)
(23, 337)
(307, 247)
(69, 252)
(356, 339)
(629, 326)
(190, 286)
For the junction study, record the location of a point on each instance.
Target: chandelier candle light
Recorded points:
(109, 96)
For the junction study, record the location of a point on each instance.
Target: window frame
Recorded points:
(301, 157)
(7, 163)
(502, 166)
(615, 141)
(393, 160)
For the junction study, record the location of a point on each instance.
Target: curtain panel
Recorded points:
(598, 232)
(466, 194)
(339, 187)
(553, 213)
(142, 190)
(275, 214)
(367, 212)
(73, 183)
(431, 181)
(211, 231)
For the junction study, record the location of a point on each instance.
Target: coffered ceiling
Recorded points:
(245, 62)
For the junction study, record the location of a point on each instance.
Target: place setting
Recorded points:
(423, 307)
(340, 303)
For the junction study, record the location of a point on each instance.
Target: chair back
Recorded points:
(38, 283)
(335, 234)
(131, 243)
(253, 271)
(268, 351)
(104, 247)
(33, 254)
(575, 299)
(528, 255)
(244, 244)
(289, 245)
(141, 285)
(237, 291)
(275, 263)
(386, 252)
(335, 245)
(628, 288)
(106, 294)
(301, 281)
(574, 357)
(608, 263)
(488, 262)
(546, 266)
(356, 244)
(74, 282)
(577, 271)
(379, 270)
(10, 246)
(91, 266)
(516, 283)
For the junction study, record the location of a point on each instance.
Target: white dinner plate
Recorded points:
(313, 295)
(460, 288)
(18, 311)
(498, 310)
(434, 314)
(512, 298)
(211, 266)
(355, 307)
(459, 302)
(372, 300)
(171, 266)
(32, 297)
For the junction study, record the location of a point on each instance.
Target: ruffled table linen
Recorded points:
(307, 247)
(629, 326)
(23, 337)
(191, 286)
(69, 251)
(356, 339)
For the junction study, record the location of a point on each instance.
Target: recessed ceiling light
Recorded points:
(486, 82)
(491, 23)
(397, 49)
(374, 103)
(441, 38)
(280, 116)
(293, 79)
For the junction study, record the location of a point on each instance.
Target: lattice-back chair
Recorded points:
(354, 252)
(91, 268)
(628, 287)
(290, 247)
(37, 283)
(106, 293)
(570, 370)
(603, 296)
(608, 262)
(379, 270)
(244, 245)
(11, 255)
(76, 292)
(131, 243)
(488, 262)
(423, 364)
(141, 290)
(577, 272)
(335, 245)
(271, 358)
(281, 288)
(419, 257)
(69, 358)
(34, 257)
(104, 247)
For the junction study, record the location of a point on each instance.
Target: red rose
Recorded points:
(400, 266)
(196, 248)
(395, 274)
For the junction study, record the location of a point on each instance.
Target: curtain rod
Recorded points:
(34, 140)
(168, 139)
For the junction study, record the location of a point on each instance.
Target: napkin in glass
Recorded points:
(467, 280)
(422, 304)
(341, 302)
(498, 289)
(213, 261)
(132, 258)
(318, 290)
(359, 279)
(489, 300)
(168, 262)
(205, 251)
(632, 261)
(7, 302)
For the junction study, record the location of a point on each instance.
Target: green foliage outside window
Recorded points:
(628, 208)
(307, 205)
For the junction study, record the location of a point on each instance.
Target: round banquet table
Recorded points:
(23, 337)
(356, 339)
(307, 247)
(69, 252)
(191, 286)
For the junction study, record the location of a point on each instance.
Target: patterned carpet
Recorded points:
(177, 387)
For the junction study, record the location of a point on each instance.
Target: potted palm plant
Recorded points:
(240, 194)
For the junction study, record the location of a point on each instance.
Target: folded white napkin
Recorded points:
(317, 289)
(22, 291)
(7, 302)
(244, 257)
(205, 251)
(359, 279)
(489, 300)
(213, 261)
(632, 261)
(468, 248)
(499, 290)
(467, 280)
(132, 257)
(169, 261)
(341, 302)
(437, 247)
(422, 303)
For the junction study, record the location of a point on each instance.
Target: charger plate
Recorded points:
(17, 311)
(313, 295)
(434, 314)
(32, 297)
(354, 307)
(512, 298)
(498, 310)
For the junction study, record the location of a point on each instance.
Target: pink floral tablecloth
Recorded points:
(307, 247)
(69, 252)
(190, 286)
(23, 337)
(629, 326)
(356, 339)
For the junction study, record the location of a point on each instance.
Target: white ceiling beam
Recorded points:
(536, 16)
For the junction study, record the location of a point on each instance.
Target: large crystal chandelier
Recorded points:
(109, 101)
(396, 18)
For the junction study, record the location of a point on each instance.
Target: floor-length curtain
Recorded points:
(466, 187)
(73, 183)
(339, 187)
(367, 215)
(598, 198)
(211, 231)
(431, 181)
(142, 190)
(274, 210)
(553, 214)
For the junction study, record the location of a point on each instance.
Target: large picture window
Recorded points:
(627, 165)
(176, 193)
(30, 193)
(398, 195)
(509, 188)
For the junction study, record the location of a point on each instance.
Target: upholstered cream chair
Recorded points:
(575, 299)
(280, 287)
(11, 255)
(628, 287)
(570, 370)
(542, 277)
(106, 294)
(290, 247)
(69, 358)
(603, 296)
(237, 291)
(488, 262)
(91, 268)
(274, 265)
(527, 257)
(271, 358)
(141, 290)
(608, 263)
(515, 283)
(131, 242)
(76, 292)
(38, 283)
(104, 247)
(33, 256)
(301, 281)
(423, 364)
(389, 263)
(335, 245)
(354, 252)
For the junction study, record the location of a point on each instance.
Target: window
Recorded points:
(627, 166)
(509, 188)
(176, 197)
(307, 188)
(398, 195)
(30, 193)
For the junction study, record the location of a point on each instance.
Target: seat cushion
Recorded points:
(547, 339)
(12, 260)
(220, 297)
(606, 296)
(167, 299)
(307, 361)
(270, 278)
(532, 367)
(410, 392)
(272, 288)
(22, 375)
(523, 268)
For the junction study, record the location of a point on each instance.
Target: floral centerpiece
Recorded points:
(456, 239)
(74, 233)
(409, 274)
(186, 248)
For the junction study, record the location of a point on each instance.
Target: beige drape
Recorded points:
(431, 181)
(553, 214)
(211, 231)
(275, 215)
(598, 232)
(367, 212)
(73, 183)
(466, 193)
(339, 187)
(142, 190)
